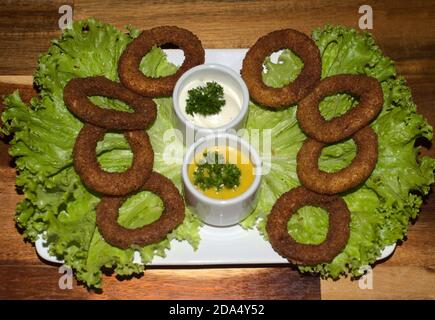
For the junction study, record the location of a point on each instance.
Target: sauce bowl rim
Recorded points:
(253, 155)
(221, 68)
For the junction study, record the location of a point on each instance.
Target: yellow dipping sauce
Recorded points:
(233, 156)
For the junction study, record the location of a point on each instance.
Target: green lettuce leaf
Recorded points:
(382, 207)
(56, 203)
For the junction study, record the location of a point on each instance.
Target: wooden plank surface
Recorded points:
(26, 28)
(403, 29)
(40, 281)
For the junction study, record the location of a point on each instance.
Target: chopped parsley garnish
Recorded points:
(205, 100)
(213, 172)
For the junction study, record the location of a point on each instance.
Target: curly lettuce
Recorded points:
(382, 207)
(56, 202)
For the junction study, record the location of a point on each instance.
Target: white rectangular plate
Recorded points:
(231, 245)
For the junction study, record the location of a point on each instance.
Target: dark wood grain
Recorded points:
(399, 26)
(26, 29)
(250, 19)
(42, 282)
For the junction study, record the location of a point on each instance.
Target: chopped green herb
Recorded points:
(205, 100)
(214, 172)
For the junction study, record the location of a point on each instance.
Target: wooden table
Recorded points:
(403, 29)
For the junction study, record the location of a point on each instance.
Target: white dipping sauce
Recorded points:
(229, 111)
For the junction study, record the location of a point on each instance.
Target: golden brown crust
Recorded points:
(112, 183)
(315, 126)
(172, 216)
(252, 68)
(135, 80)
(76, 94)
(308, 254)
(347, 178)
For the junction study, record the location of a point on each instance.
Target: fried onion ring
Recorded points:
(308, 254)
(252, 68)
(172, 216)
(314, 125)
(112, 183)
(76, 94)
(135, 80)
(353, 175)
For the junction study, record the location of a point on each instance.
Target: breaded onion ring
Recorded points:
(353, 175)
(314, 125)
(252, 68)
(135, 80)
(76, 94)
(112, 183)
(172, 216)
(308, 254)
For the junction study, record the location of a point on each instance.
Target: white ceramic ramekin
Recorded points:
(217, 212)
(192, 132)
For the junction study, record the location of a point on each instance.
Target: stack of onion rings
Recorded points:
(319, 187)
(98, 121)
(136, 91)
(353, 123)
(252, 68)
(135, 80)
